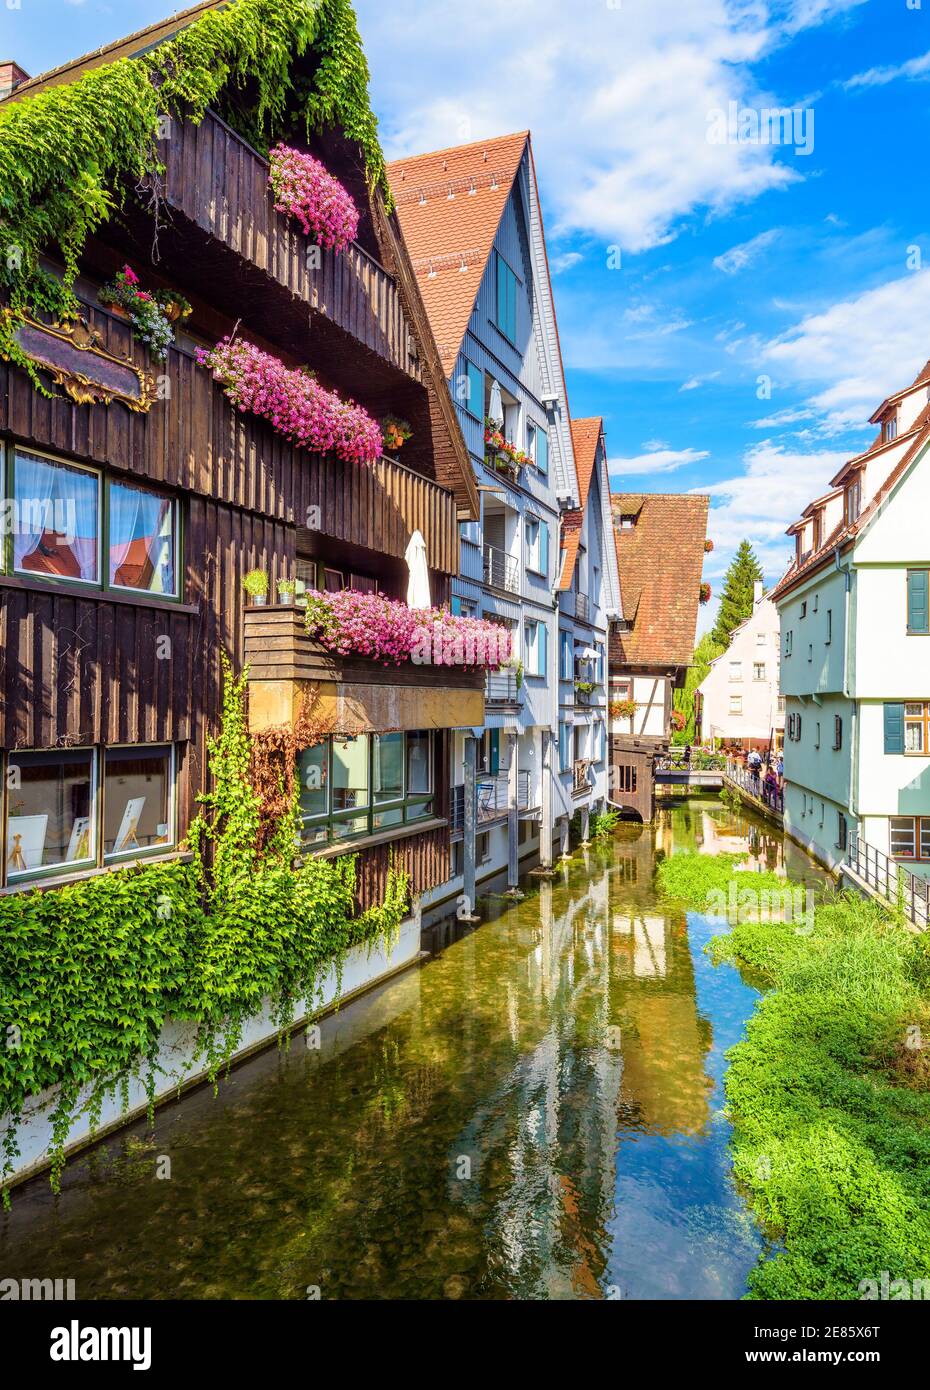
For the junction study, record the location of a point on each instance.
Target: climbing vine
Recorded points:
(69, 153)
(93, 971)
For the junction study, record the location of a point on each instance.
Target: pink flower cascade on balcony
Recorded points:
(293, 402)
(305, 190)
(357, 624)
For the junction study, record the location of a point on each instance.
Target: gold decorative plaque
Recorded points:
(74, 356)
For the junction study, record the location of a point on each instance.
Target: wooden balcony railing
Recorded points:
(219, 183)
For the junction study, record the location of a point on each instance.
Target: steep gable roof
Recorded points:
(450, 205)
(586, 435)
(660, 560)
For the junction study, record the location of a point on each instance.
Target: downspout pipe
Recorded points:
(847, 693)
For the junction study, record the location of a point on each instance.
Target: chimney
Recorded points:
(11, 76)
(757, 592)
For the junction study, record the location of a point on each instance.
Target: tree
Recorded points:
(738, 588)
(706, 651)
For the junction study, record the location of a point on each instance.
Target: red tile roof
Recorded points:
(586, 436)
(660, 559)
(571, 541)
(450, 204)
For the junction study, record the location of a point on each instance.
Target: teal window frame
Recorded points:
(415, 806)
(474, 395)
(566, 762)
(105, 480)
(566, 656)
(542, 450)
(506, 300)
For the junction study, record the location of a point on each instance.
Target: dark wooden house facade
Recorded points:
(110, 682)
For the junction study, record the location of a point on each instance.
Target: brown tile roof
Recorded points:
(571, 541)
(586, 435)
(660, 560)
(450, 204)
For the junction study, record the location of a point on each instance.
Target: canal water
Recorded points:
(534, 1112)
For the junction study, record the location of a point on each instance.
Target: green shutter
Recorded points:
(917, 605)
(495, 751)
(894, 728)
(543, 639)
(475, 402)
(544, 548)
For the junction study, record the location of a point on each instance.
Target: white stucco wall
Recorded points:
(754, 641)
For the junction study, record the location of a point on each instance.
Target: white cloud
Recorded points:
(658, 460)
(858, 351)
(739, 257)
(639, 79)
(694, 382)
(881, 76)
(761, 502)
(565, 261)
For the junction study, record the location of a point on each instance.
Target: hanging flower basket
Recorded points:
(351, 623)
(306, 191)
(501, 453)
(708, 546)
(150, 324)
(704, 593)
(622, 709)
(396, 432)
(293, 402)
(677, 720)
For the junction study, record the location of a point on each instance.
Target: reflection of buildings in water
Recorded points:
(647, 935)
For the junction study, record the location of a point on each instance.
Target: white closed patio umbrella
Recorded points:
(418, 595)
(496, 405)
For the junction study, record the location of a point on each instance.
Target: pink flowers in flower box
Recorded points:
(306, 191)
(293, 402)
(370, 625)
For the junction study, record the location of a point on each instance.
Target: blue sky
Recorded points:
(737, 261)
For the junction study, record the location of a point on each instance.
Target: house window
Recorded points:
(916, 731)
(810, 651)
(903, 835)
(780, 705)
(736, 704)
(137, 788)
(534, 648)
(77, 526)
(760, 639)
(842, 831)
(789, 641)
(566, 663)
(918, 610)
(626, 778)
(351, 786)
(506, 300)
(837, 732)
(363, 584)
(542, 450)
(829, 637)
(853, 499)
(909, 837)
(142, 534)
(736, 670)
(565, 747)
(758, 670)
(816, 529)
(804, 609)
(817, 735)
(794, 728)
(473, 390)
(55, 801)
(334, 581)
(537, 545)
(483, 847)
(890, 428)
(50, 812)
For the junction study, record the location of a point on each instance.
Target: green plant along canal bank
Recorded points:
(537, 1111)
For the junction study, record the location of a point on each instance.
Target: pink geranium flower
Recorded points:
(305, 190)
(349, 623)
(293, 402)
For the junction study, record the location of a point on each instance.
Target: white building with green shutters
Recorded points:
(854, 611)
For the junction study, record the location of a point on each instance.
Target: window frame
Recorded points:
(330, 818)
(105, 479)
(100, 861)
(513, 282)
(922, 721)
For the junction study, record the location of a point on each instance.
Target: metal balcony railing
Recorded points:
(582, 607)
(501, 688)
(501, 570)
(890, 880)
(492, 796)
(756, 785)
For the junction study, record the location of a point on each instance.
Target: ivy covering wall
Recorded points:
(92, 972)
(69, 153)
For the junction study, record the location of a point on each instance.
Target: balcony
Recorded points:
(354, 694)
(581, 777)
(493, 798)
(218, 184)
(501, 690)
(501, 571)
